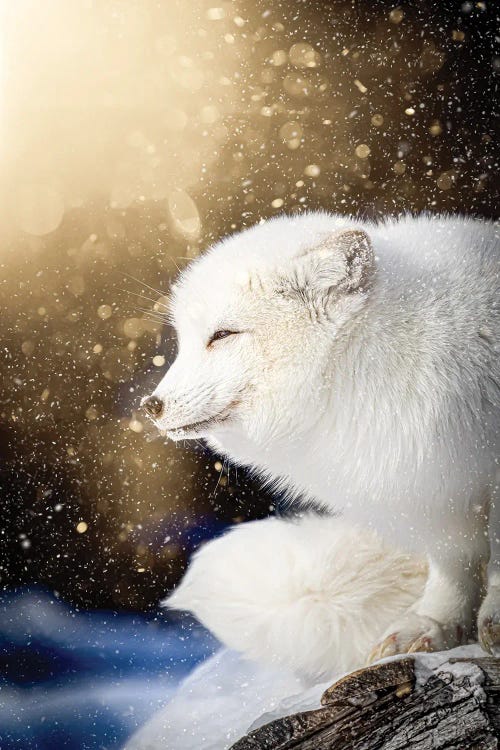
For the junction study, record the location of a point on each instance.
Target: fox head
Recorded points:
(256, 319)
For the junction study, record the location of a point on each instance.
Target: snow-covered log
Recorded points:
(406, 703)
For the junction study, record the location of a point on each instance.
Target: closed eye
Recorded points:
(221, 335)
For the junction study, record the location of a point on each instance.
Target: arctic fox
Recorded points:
(356, 364)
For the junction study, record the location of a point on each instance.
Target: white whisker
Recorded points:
(143, 283)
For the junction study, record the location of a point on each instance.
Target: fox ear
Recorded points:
(343, 262)
(357, 251)
(340, 265)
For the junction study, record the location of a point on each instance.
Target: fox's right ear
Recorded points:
(342, 263)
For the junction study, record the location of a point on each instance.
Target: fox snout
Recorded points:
(179, 412)
(153, 406)
(192, 399)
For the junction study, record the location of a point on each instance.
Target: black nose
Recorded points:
(153, 406)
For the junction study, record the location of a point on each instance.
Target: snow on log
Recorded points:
(401, 704)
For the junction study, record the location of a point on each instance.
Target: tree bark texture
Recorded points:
(394, 706)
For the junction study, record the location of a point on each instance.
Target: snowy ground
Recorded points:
(86, 680)
(216, 705)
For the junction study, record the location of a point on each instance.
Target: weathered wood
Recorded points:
(491, 669)
(352, 688)
(382, 708)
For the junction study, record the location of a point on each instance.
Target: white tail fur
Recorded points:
(312, 594)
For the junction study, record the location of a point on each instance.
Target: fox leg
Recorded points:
(445, 615)
(488, 622)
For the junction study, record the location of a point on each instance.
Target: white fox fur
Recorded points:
(356, 364)
(308, 594)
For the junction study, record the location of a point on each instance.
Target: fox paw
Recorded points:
(488, 622)
(415, 633)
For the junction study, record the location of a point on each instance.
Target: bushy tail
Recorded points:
(312, 594)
